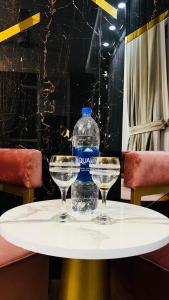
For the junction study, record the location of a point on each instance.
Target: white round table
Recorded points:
(136, 230)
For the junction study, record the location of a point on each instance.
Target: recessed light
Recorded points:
(105, 44)
(122, 5)
(112, 27)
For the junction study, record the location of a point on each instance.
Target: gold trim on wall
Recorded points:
(106, 7)
(146, 27)
(19, 27)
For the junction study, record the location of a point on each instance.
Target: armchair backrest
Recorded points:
(20, 172)
(146, 168)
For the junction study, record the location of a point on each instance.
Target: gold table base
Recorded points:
(84, 280)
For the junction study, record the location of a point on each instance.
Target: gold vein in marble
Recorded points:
(13, 30)
(107, 7)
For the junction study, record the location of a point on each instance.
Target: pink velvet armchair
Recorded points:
(23, 274)
(145, 173)
(141, 277)
(146, 178)
(20, 172)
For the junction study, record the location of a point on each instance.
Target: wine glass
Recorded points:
(104, 171)
(64, 171)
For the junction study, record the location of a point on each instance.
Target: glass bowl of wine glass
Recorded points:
(104, 171)
(64, 171)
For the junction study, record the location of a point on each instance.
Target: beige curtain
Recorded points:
(125, 127)
(146, 90)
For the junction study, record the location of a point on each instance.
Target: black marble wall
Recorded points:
(64, 66)
(139, 12)
(51, 70)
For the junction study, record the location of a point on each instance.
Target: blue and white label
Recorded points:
(85, 154)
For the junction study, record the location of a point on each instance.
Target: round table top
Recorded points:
(136, 230)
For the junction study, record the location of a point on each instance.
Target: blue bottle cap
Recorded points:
(86, 111)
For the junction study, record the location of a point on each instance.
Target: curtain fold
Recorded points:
(146, 89)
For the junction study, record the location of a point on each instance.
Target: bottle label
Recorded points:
(85, 154)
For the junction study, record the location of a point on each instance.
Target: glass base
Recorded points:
(63, 218)
(103, 220)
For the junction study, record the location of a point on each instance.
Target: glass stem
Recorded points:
(63, 197)
(104, 197)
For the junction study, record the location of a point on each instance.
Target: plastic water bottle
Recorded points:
(86, 141)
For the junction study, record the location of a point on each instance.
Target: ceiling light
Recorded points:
(112, 27)
(105, 44)
(122, 5)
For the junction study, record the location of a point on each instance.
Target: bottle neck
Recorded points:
(86, 115)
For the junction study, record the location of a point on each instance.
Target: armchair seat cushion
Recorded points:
(23, 274)
(10, 254)
(22, 167)
(159, 257)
